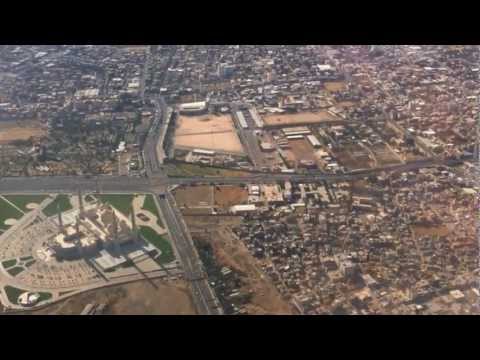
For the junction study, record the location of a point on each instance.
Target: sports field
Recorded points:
(303, 118)
(208, 132)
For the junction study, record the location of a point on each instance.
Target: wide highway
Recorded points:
(260, 178)
(204, 297)
(125, 184)
(66, 184)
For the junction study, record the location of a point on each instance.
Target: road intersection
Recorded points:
(158, 183)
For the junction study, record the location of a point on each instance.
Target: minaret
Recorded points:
(78, 243)
(115, 226)
(77, 226)
(60, 221)
(134, 225)
(80, 203)
(116, 243)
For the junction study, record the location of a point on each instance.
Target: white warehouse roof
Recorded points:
(239, 208)
(195, 105)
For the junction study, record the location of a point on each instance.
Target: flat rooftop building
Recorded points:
(193, 108)
(243, 209)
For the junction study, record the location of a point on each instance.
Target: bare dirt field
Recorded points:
(302, 150)
(11, 131)
(353, 157)
(226, 196)
(303, 118)
(137, 298)
(384, 155)
(184, 169)
(208, 132)
(231, 252)
(441, 230)
(194, 196)
(187, 125)
(346, 104)
(335, 86)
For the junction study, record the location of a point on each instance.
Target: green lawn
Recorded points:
(63, 201)
(26, 258)
(149, 205)
(23, 200)
(15, 270)
(121, 202)
(159, 242)
(30, 263)
(7, 211)
(44, 296)
(9, 263)
(13, 293)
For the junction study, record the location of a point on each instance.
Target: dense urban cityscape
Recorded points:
(239, 179)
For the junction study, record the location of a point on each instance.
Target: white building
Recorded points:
(193, 108)
(243, 209)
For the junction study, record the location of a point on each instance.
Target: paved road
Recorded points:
(65, 184)
(203, 295)
(157, 182)
(145, 73)
(150, 154)
(153, 148)
(125, 184)
(249, 139)
(306, 178)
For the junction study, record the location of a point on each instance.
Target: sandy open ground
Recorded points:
(346, 104)
(137, 298)
(303, 118)
(353, 157)
(226, 196)
(302, 150)
(204, 124)
(232, 252)
(440, 230)
(11, 131)
(384, 155)
(335, 86)
(208, 132)
(194, 196)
